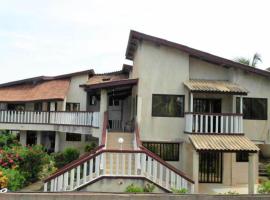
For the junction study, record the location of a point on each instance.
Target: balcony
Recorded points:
(218, 123)
(84, 119)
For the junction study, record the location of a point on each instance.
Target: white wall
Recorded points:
(77, 94)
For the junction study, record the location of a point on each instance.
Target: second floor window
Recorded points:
(72, 107)
(168, 105)
(253, 108)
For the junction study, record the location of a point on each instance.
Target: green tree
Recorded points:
(251, 62)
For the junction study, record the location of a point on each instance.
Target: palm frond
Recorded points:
(256, 58)
(242, 60)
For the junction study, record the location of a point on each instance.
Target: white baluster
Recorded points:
(111, 163)
(206, 123)
(196, 123)
(227, 124)
(52, 185)
(172, 179)
(211, 124)
(201, 123)
(60, 183)
(160, 174)
(72, 173)
(84, 172)
(45, 187)
(78, 176)
(231, 131)
(117, 164)
(154, 170)
(97, 165)
(90, 169)
(129, 163)
(65, 181)
(123, 163)
(221, 124)
(167, 178)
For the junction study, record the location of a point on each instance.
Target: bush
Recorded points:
(90, 147)
(33, 160)
(268, 170)
(134, 189)
(63, 158)
(3, 180)
(7, 139)
(15, 180)
(264, 188)
(179, 190)
(148, 188)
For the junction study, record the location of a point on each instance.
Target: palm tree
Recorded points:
(251, 62)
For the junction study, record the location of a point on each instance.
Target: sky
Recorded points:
(52, 37)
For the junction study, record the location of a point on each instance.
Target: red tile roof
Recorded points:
(44, 90)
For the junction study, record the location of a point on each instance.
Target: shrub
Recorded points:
(134, 189)
(268, 170)
(90, 147)
(148, 188)
(7, 139)
(179, 190)
(33, 160)
(15, 180)
(63, 158)
(3, 180)
(264, 188)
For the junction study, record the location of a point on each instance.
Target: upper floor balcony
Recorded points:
(213, 107)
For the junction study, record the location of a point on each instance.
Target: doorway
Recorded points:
(201, 105)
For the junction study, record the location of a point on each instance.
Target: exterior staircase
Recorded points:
(110, 159)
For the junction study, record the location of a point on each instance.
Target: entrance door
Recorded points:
(115, 113)
(210, 167)
(207, 105)
(31, 138)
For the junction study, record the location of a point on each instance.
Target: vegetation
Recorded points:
(230, 193)
(132, 188)
(90, 147)
(22, 165)
(65, 157)
(179, 190)
(268, 170)
(251, 62)
(264, 188)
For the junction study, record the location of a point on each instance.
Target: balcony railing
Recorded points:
(50, 117)
(225, 123)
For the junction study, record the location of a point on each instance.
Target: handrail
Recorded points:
(49, 111)
(151, 154)
(86, 156)
(215, 114)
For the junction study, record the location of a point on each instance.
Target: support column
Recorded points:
(38, 137)
(23, 136)
(251, 172)
(191, 102)
(196, 171)
(103, 107)
(57, 142)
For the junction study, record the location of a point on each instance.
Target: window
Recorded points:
(19, 107)
(38, 106)
(92, 100)
(168, 105)
(73, 137)
(114, 102)
(167, 151)
(253, 108)
(72, 107)
(242, 157)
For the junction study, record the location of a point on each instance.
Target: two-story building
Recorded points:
(177, 118)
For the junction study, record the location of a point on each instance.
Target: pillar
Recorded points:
(251, 172)
(57, 142)
(195, 173)
(38, 137)
(23, 136)
(191, 102)
(103, 107)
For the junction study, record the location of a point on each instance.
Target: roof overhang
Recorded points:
(111, 84)
(210, 86)
(136, 37)
(222, 143)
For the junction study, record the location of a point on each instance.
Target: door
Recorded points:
(31, 138)
(205, 106)
(210, 167)
(115, 113)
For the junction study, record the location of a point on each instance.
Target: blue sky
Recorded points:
(51, 37)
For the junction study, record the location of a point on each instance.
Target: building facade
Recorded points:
(187, 119)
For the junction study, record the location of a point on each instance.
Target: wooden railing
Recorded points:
(225, 123)
(50, 117)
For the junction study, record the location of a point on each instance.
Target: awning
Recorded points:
(209, 86)
(224, 143)
(111, 84)
(46, 90)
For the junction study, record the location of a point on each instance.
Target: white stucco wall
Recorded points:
(77, 94)
(161, 71)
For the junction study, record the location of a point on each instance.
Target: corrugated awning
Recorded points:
(46, 90)
(209, 86)
(225, 143)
